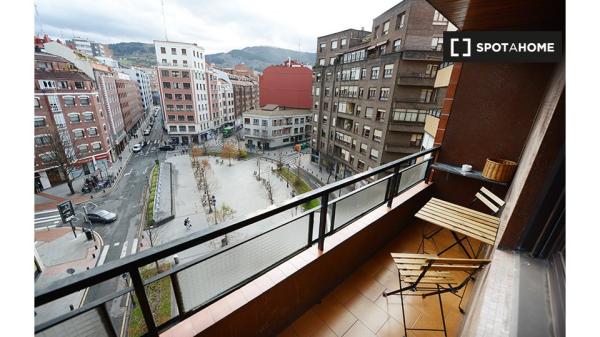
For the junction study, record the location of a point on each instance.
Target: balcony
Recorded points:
(258, 265)
(422, 55)
(415, 79)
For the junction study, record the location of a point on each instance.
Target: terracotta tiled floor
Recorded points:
(356, 307)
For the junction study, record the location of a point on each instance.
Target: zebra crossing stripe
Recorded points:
(134, 246)
(124, 250)
(103, 256)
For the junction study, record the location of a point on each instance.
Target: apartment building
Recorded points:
(245, 90)
(220, 99)
(130, 102)
(183, 90)
(143, 82)
(373, 90)
(287, 84)
(86, 46)
(68, 112)
(274, 126)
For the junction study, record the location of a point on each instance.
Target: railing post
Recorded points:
(177, 293)
(391, 188)
(311, 225)
(332, 222)
(105, 318)
(140, 293)
(323, 220)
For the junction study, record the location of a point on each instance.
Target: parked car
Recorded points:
(137, 147)
(101, 215)
(147, 131)
(167, 147)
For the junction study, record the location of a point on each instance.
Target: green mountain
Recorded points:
(257, 58)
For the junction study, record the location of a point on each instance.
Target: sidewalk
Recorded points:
(50, 197)
(61, 253)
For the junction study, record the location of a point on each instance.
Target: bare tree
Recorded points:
(222, 213)
(62, 155)
(205, 181)
(228, 151)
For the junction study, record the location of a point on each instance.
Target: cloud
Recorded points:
(217, 25)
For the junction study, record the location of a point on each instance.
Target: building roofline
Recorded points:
(345, 30)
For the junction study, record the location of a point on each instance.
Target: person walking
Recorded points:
(187, 223)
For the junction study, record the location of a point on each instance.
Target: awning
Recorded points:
(378, 45)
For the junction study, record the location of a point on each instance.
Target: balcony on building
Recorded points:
(415, 79)
(322, 272)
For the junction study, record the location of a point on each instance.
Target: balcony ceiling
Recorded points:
(503, 14)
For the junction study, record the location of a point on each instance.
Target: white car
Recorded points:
(147, 132)
(137, 147)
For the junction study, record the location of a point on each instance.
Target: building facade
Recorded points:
(286, 85)
(373, 90)
(68, 112)
(220, 99)
(143, 83)
(245, 90)
(275, 126)
(86, 46)
(130, 102)
(107, 85)
(183, 90)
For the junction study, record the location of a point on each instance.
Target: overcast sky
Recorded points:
(217, 25)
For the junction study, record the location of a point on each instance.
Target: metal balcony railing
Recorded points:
(204, 280)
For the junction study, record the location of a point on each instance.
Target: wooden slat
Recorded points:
(412, 255)
(454, 267)
(465, 209)
(487, 202)
(448, 214)
(453, 227)
(411, 261)
(492, 196)
(408, 266)
(459, 224)
(450, 260)
(462, 215)
(429, 272)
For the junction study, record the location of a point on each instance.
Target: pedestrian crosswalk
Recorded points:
(46, 219)
(124, 248)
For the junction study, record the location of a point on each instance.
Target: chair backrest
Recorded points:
(454, 264)
(423, 266)
(489, 199)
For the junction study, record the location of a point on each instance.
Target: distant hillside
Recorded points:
(134, 53)
(257, 58)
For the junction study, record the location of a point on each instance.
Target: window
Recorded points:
(400, 21)
(322, 46)
(380, 117)
(321, 62)
(171, 118)
(178, 97)
(74, 118)
(172, 128)
(386, 27)
(179, 107)
(168, 96)
(69, 101)
(181, 118)
(191, 128)
(174, 62)
(36, 102)
(397, 44)
(377, 134)
(382, 49)
(92, 132)
(439, 19)
(173, 51)
(63, 84)
(78, 133)
(188, 97)
(409, 115)
(185, 74)
(170, 107)
(164, 62)
(331, 60)
(182, 128)
(175, 73)
(426, 95)
(374, 73)
(83, 148)
(363, 148)
(47, 157)
(186, 85)
(436, 43)
(366, 131)
(374, 154)
(183, 52)
(42, 140)
(79, 85)
(343, 42)
(96, 146)
(255, 121)
(369, 113)
(416, 139)
(431, 70)
(372, 93)
(88, 117)
(334, 44)
(388, 69)
(189, 107)
(358, 110)
(164, 73)
(84, 101)
(39, 122)
(167, 85)
(384, 94)
(363, 73)
(163, 50)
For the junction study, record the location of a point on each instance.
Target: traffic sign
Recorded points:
(66, 211)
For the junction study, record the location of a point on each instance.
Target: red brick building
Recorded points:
(131, 104)
(66, 106)
(286, 85)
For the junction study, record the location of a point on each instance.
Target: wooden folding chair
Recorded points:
(462, 220)
(426, 275)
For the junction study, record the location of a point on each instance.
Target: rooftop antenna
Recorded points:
(164, 19)
(37, 15)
